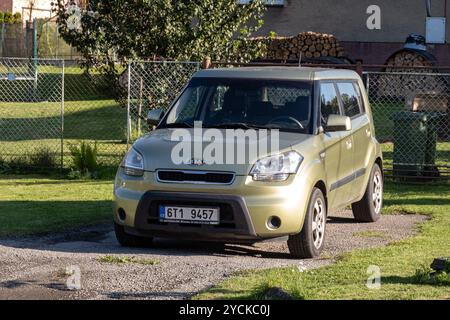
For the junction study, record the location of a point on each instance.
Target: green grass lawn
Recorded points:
(347, 279)
(38, 204)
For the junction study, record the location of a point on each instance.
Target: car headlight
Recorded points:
(277, 167)
(133, 163)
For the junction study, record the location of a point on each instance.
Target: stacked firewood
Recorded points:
(306, 44)
(408, 59)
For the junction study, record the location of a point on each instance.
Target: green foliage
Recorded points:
(170, 29)
(127, 260)
(17, 17)
(84, 158)
(43, 158)
(8, 17)
(425, 275)
(272, 34)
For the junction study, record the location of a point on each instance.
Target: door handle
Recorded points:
(348, 144)
(368, 132)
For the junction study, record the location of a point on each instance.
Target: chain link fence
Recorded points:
(412, 121)
(31, 112)
(48, 106)
(153, 85)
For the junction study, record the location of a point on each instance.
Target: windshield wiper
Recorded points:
(236, 125)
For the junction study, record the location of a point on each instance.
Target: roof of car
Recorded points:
(282, 73)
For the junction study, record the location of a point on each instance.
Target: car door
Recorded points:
(337, 154)
(353, 107)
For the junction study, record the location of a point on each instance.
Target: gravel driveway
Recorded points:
(35, 268)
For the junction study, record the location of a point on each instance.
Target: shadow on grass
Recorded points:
(21, 218)
(413, 280)
(107, 122)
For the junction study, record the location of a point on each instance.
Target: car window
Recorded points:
(186, 108)
(281, 96)
(329, 103)
(360, 98)
(262, 103)
(350, 99)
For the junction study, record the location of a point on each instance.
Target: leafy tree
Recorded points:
(108, 31)
(17, 17)
(8, 17)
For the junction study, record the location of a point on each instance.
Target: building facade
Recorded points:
(40, 9)
(32, 9)
(370, 30)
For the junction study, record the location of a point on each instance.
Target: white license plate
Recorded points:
(202, 215)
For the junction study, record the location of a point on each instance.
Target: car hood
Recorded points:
(158, 146)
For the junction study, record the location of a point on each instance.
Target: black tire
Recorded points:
(129, 240)
(368, 209)
(303, 245)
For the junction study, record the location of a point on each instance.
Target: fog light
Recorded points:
(122, 215)
(274, 222)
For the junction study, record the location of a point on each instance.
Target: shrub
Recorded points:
(4, 166)
(84, 157)
(2, 17)
(43, 158)
(8, 17)
(18, 163)
(17, 17)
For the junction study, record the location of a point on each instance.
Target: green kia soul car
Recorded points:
(246, 154)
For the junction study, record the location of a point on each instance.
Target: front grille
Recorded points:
(195, 176)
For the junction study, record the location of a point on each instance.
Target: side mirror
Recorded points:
(154, 116)
(338, 123)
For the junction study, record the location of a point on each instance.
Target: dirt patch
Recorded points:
(37, 268)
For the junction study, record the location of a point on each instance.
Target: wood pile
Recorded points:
(306, 44)
(408, 59)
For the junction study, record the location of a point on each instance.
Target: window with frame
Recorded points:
(329, 102)
(351, 98)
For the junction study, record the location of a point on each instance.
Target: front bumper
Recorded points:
(245, 207)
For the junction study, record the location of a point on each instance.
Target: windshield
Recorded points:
(244, 103)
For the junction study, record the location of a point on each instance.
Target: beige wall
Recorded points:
(41, 8)
(347, 18)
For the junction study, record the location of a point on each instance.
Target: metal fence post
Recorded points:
(368, 83)
(128, 107)
(62, 114)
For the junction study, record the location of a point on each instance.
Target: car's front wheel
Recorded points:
(368, 209)
(129, 240)
(310, 241)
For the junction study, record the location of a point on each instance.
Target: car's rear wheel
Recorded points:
(310, 241)
(129, 240)
(368, 209)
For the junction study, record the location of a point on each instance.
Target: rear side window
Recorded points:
(351, 99)
(329, 103)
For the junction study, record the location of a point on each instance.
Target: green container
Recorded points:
(415, 136)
